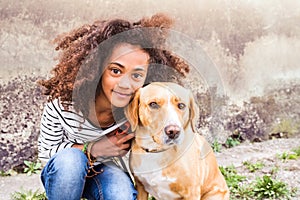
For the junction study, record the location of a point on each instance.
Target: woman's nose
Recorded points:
(124, 82)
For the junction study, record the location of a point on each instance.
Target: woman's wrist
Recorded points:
(90, 149)
(89, 154)
(78, 146)
(85, 148)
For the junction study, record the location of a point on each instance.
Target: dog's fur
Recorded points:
(169, 159)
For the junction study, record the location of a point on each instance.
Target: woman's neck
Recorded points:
(101, 112)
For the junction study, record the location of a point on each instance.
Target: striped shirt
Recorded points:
(61, 128)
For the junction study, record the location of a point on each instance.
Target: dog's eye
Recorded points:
(181, 106)
(154, 105)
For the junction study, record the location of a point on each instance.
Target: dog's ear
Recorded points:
(194, 112)
(132, 111)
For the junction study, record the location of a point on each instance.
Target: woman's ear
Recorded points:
(132, 111)
(194, 112)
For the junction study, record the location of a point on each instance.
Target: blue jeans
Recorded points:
(64, 178)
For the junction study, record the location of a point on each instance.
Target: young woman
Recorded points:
(84, 133)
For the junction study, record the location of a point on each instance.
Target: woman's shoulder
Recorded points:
(62, 107)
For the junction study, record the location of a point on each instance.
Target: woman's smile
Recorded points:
(122, 94)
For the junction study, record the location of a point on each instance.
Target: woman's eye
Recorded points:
(116, 71)
(137, 76)
(181, 106)
(153, 105)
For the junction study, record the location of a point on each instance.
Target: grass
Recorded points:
(32, 167)
(29, 195)
(294, 154)
(231, 142)
(268, 188)
(216, 146)
(233, 179)
(265, 187)
(10, 172)
(297, 151)
(252, 167)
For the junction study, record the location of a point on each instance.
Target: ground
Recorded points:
(267, 152)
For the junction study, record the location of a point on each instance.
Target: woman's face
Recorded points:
(124, 73)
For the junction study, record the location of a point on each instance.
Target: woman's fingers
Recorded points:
(112, 145)
(125, 138)
(124, 143)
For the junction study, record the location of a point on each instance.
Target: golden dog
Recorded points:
(169, 159)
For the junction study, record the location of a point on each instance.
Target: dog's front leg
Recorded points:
(142, 194)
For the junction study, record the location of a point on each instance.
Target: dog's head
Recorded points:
(161, 113)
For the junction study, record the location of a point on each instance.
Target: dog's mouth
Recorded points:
(170, 142)
(158, 150)
(155, 146)
(165, 138)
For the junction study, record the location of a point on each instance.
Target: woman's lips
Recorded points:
(124, 95)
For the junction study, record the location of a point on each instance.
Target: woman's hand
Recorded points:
(112, 145)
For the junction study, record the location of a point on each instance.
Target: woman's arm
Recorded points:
(51, 133)
(54, 133)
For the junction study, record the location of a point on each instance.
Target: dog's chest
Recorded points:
(151, 174)
(158, 185)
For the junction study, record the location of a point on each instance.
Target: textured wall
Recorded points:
(254, 45)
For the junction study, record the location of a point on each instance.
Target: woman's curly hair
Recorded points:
(84, 51)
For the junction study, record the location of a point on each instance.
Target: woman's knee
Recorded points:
(66, 169)
(117, 180)
(67, 161)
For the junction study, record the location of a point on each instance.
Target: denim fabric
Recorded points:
(64, 178)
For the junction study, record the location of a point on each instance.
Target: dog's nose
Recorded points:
(172, 131)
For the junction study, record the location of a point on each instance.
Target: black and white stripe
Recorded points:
(61, 128)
